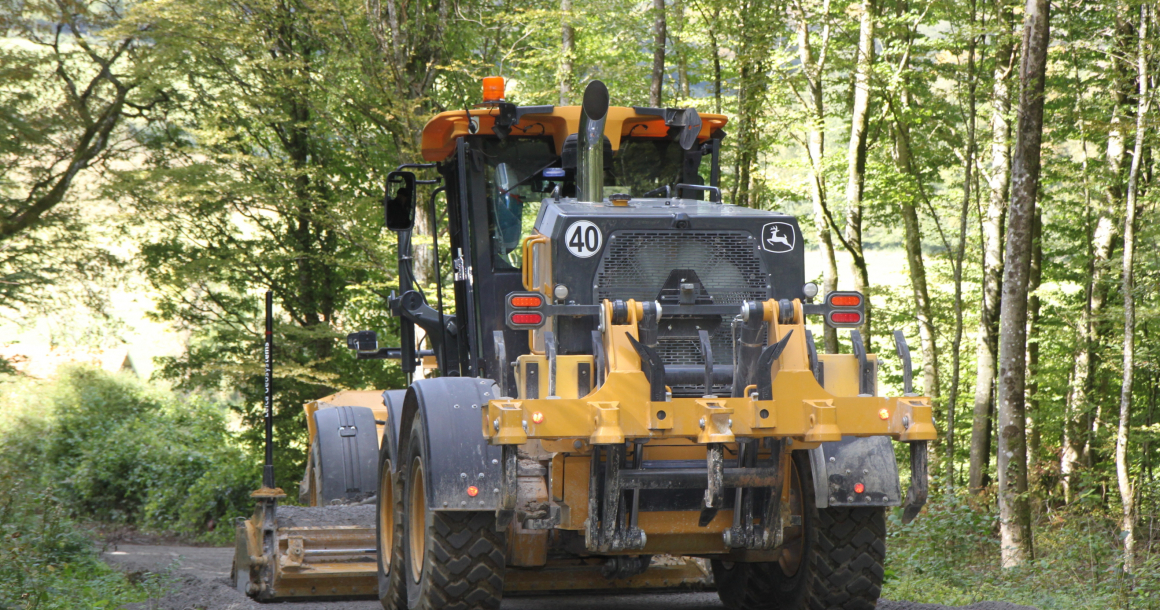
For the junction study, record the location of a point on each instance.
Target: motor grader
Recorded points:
(628, 393)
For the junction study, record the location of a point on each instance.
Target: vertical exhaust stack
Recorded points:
(590, 144)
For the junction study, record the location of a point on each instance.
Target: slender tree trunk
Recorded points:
(1079, 422)
(658, 67)
(567, 45)
(1033, 305)
(715, 48)
(1127, 497)
(912, 242)
(680, 50)
(856, 156)
(816, 149)
(993, 218)
(912, 233)
(1076, 393)
(960, 254)
(1014, 505)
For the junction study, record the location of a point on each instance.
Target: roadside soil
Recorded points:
(198, 579)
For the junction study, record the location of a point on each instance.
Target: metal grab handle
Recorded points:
(700, 187)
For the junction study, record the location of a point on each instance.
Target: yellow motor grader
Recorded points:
(628, 392)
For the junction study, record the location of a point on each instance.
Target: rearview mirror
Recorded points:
(400, 208)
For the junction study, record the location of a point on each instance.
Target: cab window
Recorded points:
(644, 165)
(515, 187)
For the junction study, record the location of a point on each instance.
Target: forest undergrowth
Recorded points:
(950, 555)
(90, 452)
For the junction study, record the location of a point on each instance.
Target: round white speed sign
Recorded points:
(583, 239)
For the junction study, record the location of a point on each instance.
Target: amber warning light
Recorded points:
(527, 301)
(846, 300)
(845, 309)
(493, 89)
(525, 310)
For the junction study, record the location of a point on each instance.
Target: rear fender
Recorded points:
(840, 465)
(458, 456)
(393, 400)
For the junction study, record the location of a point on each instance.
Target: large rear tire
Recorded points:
(835, 561)
(389, 537)
(452, 560)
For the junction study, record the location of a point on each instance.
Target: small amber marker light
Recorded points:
(474, 491)
(529, 301)
(493, 88)
(537, 418)
(883, 413)
(845, 300)
(859, 488)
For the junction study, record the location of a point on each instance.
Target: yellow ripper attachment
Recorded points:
(622, 408)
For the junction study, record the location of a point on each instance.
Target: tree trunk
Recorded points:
(567, 44)
(1014, 505)
(1079, 423)
(1127, 497)
(658, 67)
(912, 242)
(681, 51)
(856, 164)
(816, 149)
(715, 49)
(1034, 417)
(912, 233)
(960, 254)
(992, 220)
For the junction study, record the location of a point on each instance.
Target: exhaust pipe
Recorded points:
(590, 144)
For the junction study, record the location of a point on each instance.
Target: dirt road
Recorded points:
(200, 581)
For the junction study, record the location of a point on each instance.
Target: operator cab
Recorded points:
(530, 181)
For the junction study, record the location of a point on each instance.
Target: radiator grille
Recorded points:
(636, 264)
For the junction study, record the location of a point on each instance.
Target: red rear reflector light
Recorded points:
(493, 88)
(846, 317)
(845, 300)
(527, 318)
(859, 488)
(531, 301)
(474, 491)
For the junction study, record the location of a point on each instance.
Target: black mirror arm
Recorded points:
(411, 306)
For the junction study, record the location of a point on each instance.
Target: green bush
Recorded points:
(122, 451)
(46, 560)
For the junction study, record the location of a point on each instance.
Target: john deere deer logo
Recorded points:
(777, 237)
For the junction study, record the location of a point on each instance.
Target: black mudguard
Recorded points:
(393, 400)
(450, 409)
(347, 451)
(840, 465)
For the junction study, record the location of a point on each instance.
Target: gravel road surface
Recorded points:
(201, 582)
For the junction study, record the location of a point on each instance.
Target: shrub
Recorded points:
(950, 555)
(122, 451)
(46, 560)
